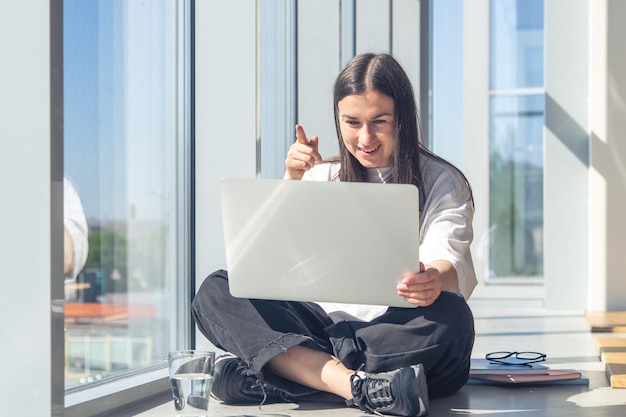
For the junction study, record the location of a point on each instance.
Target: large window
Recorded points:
(126, 156)
(516, 139)
(488, 118)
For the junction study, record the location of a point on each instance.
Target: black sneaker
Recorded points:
(233, 384)
(402, 392)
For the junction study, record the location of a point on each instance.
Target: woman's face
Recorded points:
(367, 127)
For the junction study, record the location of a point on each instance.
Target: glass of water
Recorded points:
(191, 375)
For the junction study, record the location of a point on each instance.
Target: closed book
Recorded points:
(552, 375)
(616, 373)
(481, 366)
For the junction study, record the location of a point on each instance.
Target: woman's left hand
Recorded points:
(421, 288)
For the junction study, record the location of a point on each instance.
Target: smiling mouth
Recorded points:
(369, 150)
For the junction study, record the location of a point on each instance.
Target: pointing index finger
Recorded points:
(312, 143)
(301, 136)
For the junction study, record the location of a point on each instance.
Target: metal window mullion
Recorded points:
(347, 13)
(182, 279)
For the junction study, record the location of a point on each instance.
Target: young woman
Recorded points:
(383, 360)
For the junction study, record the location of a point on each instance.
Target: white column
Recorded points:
(28, 181)
(607, 174)
(225, 117)
(566, 154)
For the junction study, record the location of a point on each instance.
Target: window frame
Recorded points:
(147, 386)
(565, 158)
(476, 107)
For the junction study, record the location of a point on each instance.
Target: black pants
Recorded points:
(439, 336)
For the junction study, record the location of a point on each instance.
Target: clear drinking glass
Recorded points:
(191, 375)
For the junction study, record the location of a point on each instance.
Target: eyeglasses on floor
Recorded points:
(515, 358)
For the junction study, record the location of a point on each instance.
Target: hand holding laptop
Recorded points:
(421, 287)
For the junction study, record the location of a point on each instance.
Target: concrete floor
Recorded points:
(564, 337)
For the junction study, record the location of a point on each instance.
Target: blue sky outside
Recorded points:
(120, 96)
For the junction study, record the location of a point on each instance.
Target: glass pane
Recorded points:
(278, 85)
(516, 44)
(120, 106)
(447, 80)
(516, 186)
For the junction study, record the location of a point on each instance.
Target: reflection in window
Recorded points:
(516, 185)
(121, 92)
(516, 139)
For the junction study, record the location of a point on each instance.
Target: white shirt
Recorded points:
(446, 230)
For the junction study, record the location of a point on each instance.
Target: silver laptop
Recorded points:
(319, 241)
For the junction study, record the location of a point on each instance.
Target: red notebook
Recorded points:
(552, 375)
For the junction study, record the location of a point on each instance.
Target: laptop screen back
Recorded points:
(319, 241)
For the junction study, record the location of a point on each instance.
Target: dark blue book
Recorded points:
(481, 366)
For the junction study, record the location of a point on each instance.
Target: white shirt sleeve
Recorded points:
(76, 224)
(446, 224)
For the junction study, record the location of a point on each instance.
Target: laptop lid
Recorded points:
(319, 241)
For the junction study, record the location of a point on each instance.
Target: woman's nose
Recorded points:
(365, 135)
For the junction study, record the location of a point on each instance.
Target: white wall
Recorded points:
(25, 212)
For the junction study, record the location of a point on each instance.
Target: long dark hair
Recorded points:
(382, 73)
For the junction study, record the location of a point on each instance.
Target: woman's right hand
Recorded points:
(302, 155)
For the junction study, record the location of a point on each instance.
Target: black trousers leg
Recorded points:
(440, 337)
(258, 330)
